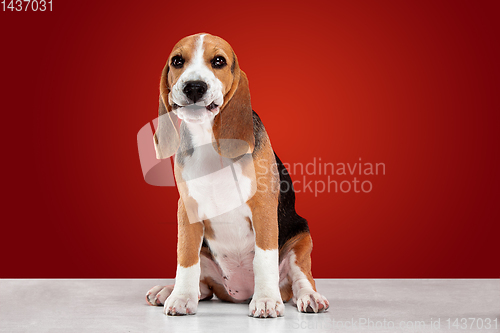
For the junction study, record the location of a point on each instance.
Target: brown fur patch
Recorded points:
(190, 204)
(233, 126)
(209, 232)
(184, 48)
(302, 249)
(300, 244)
(190, 236)
(289, 244)
(286, 291)
(264, 204)
(215, 46)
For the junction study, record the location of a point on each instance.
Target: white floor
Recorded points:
(355, 305)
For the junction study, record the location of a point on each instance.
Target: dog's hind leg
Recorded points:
(158, 294)
(304, 289)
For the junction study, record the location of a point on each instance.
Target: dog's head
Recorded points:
(202, 82)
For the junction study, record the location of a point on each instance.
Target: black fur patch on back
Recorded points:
(290, 223)
(258, 131)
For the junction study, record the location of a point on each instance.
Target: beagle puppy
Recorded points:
(239, 236)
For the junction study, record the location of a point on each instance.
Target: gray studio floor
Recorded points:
(355, 305)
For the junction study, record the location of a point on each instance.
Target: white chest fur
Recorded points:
(218, 184)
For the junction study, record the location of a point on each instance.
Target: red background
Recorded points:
(414, 85)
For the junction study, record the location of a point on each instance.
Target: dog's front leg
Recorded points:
(184, 298)
(266, 301)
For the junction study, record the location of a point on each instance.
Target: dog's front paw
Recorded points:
(312, 302)
(158, 294)
(266, 307)
(181, 304)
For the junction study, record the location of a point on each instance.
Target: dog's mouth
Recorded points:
(195, 113)
(209, 107)
(212, 106)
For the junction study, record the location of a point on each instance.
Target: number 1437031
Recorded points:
(26, 5)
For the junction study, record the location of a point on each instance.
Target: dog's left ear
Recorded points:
(233, 126)
(166, 138)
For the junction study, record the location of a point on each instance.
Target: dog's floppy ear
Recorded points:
(166, 138)
(233, 126)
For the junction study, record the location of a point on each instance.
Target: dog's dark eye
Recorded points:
(178, 61)
(219, 62)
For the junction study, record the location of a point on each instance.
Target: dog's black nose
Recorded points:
(194, 90)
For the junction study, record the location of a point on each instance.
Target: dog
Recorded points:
(239, 236)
